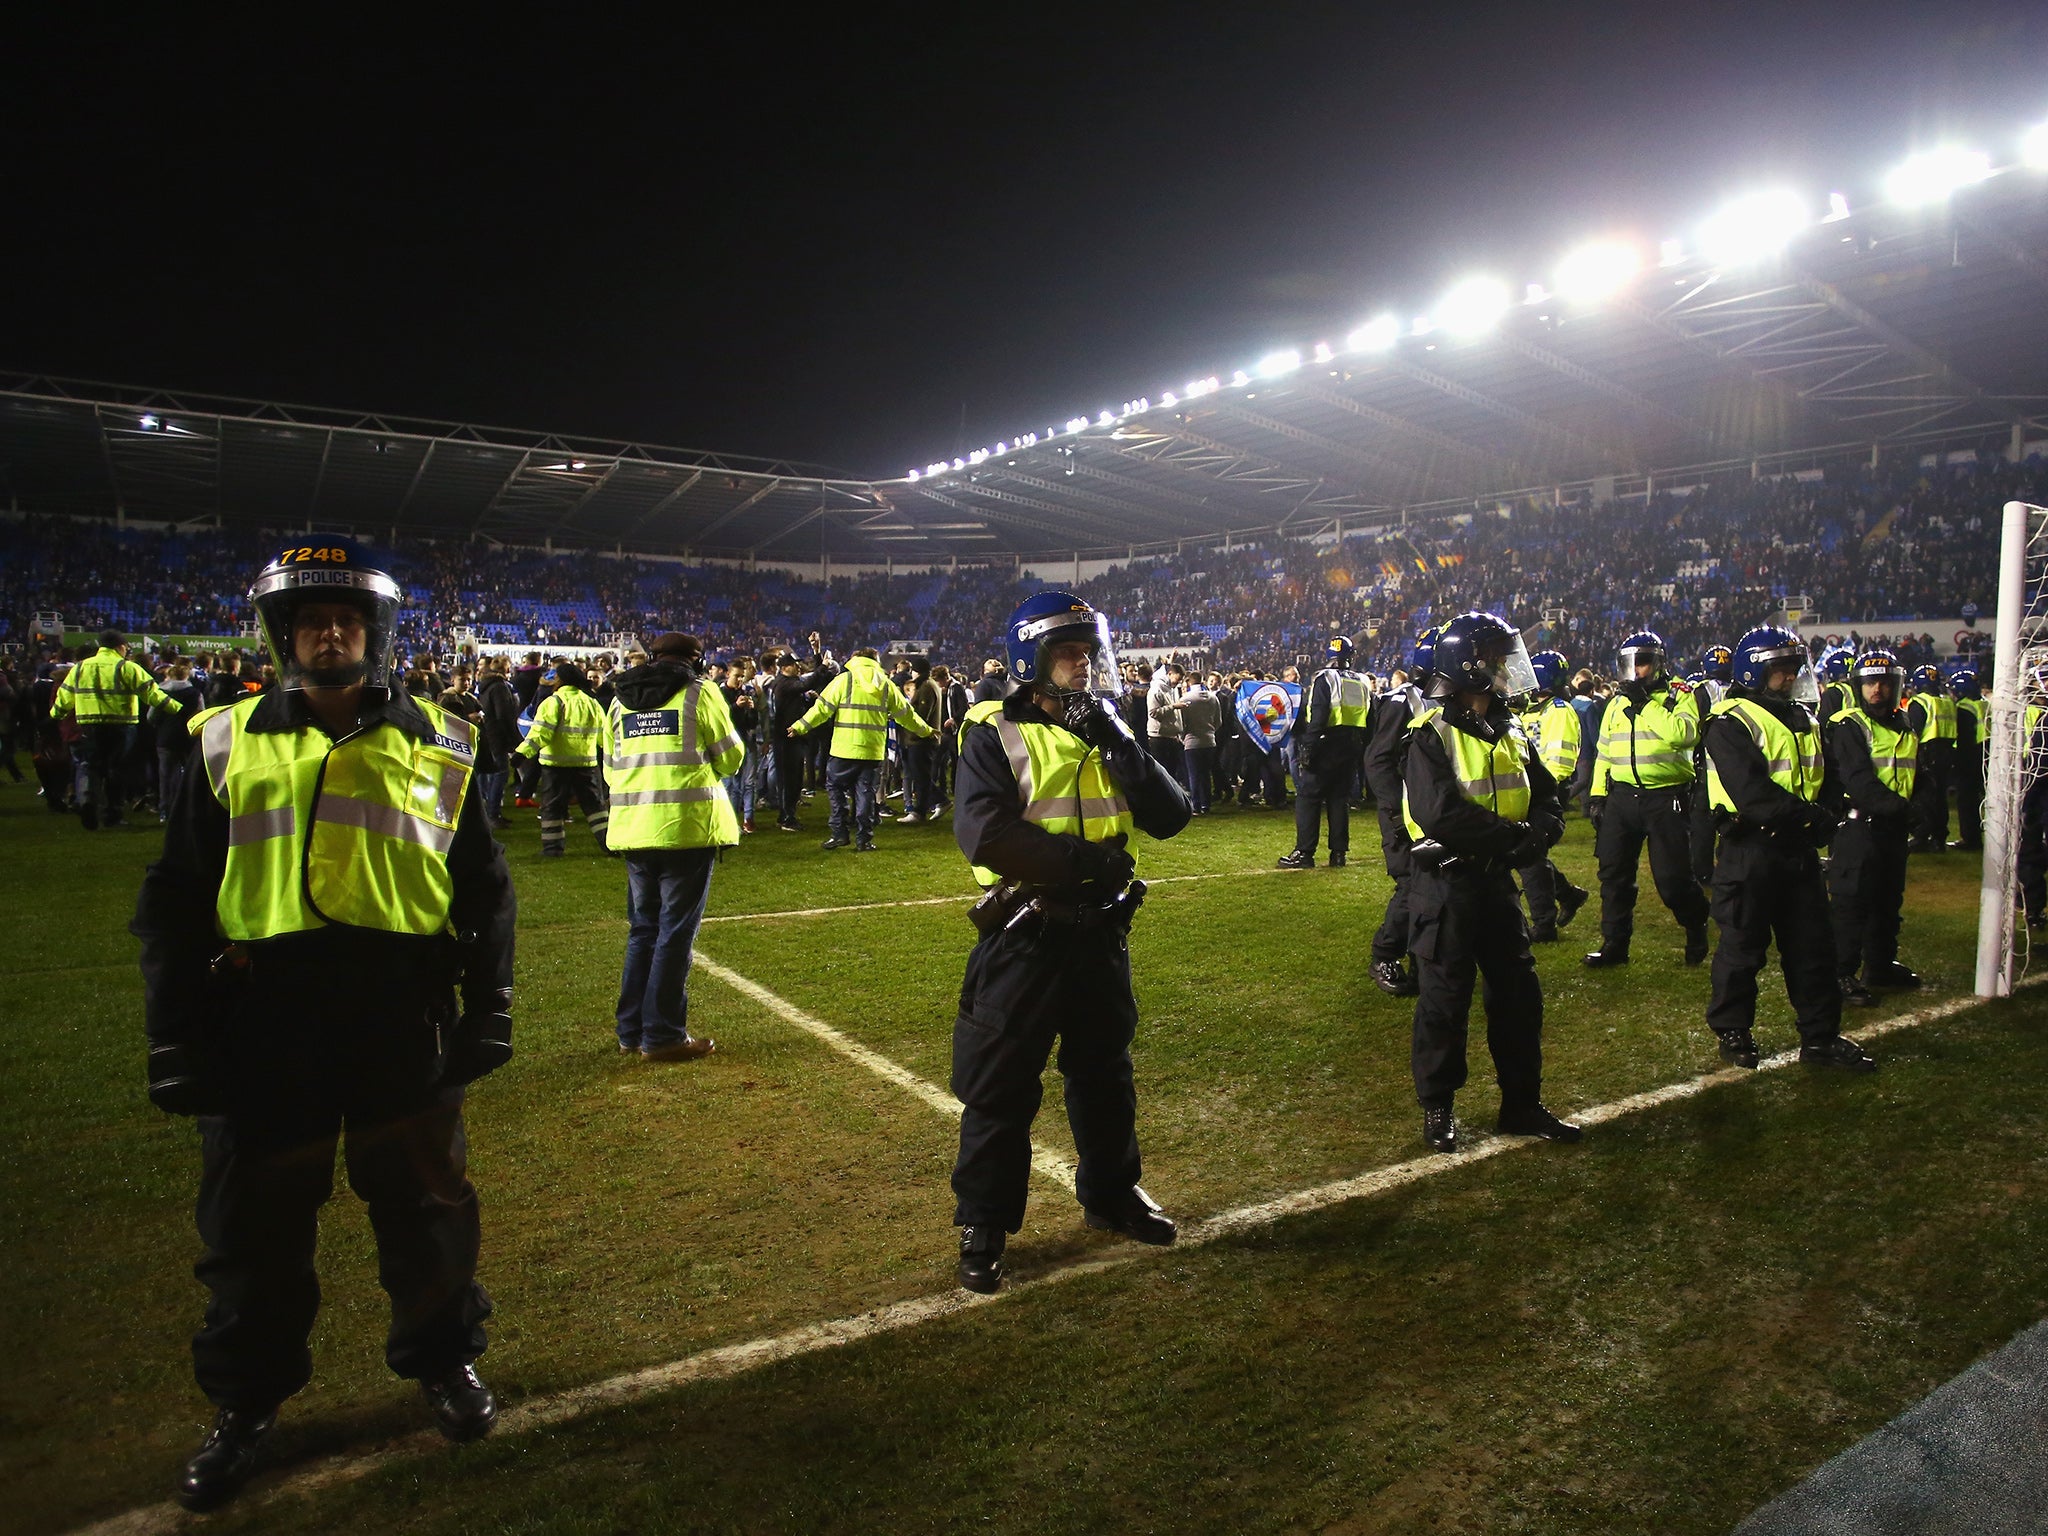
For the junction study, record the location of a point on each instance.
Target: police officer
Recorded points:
(1643, 777)
(1329, 746)
(1552, 726)
(1872, 751)
(104, 692)
(860, 702)
(1836, 695)
(1717, 667)
(1050, 784)
(1966, 768)
(1477, 803)
(669, 740)
(1933, 714)
(568, 729)
(327, 957)
(1765, 770)
(1386, 748)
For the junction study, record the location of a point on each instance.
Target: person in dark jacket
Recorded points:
(1386, 750)
(173, 739)
(1329, 747)
(788, 694)
(500, 707)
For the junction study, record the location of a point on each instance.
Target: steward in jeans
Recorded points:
(1764, 775)
(327, 960)
(105, 692)
(669, 740)
(566, 732)
(1051, 783)
(860, 702)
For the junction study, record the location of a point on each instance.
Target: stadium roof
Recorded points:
(1890, 327)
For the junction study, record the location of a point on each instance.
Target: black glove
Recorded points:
(1106, 864)
(1595, 809)
(184, 1080)
(1820, 826)
(1533, 845)
(1090, 717)
(482, 1039)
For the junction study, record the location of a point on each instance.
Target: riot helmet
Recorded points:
(1878, 666)
(325, 570)
(1481, 652)
(1771, 648)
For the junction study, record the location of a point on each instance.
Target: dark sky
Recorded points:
(823, 241)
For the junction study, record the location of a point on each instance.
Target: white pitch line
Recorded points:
(736, 1359)
(941, 901)
(1048, 1163)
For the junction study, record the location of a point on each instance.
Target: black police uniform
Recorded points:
(1326, 763)
(1035, 980)
(1466, 919)
(1767, 884)
(1867, 860)
(1385, 753)
(334, 1035)
(1630, 817)
(1930, 779)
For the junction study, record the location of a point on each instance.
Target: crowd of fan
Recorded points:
(1859, 548)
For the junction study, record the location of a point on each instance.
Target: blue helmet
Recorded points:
(1051, 618)
(1718, 663)
(1425, 653)
(1927, 680)
(1338, 651)
(1644, 646)
(1835, 663)
(1481, 651)
(1696, 679)
(326, 568)
(1549, 667)
(1878, 666)
(1768, 646)
(1966, 685)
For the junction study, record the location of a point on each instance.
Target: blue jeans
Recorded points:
(491, 786)
(739, 789)
(917, 777)
(666, 889)
(851, 783)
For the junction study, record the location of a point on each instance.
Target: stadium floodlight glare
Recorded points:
(1934, 175)
(1274, 364)
(1377, 335)
(148, 423)
(1596, 271)
(1838, 208)
(2034, 147)
(1472, 306)
(1754, 227)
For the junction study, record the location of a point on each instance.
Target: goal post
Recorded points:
(2022, 564)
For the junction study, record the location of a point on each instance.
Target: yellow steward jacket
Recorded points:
(108, 689)
(860, 702)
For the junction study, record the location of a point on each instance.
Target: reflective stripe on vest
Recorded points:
(1062, 784)
(1939, 723)
(664, 781)
(1556, 737)
(568, 725)
(1350, 696)
(1792, 758)
(372, 850)
(1495, 774)
(101, 691)
(1894, 754)
(858, 704)
(1651, 749)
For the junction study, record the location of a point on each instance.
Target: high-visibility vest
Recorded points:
(567, 730)
(1651, 749)
(1495, 774)
(664, 766)
(108, 689)
(1844, 692)
(1792, 758)
(1974, 708)
(1062, 783)
(1895, 754)
(354, 832)
(1938, 717)
(1350, 697)
(1554, 730)
(860, 702)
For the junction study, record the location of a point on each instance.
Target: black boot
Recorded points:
(464, 1408)
(223, 1464)
(1606, 955)
(1738, 1048)
(1543, 933)
(1439, 1128)
(1840, 1052)
(981, 1258)
(1892, 974)
(1535, 1120)
(1336, 861)
(1696, 944)
(1138, 1217)
(1569, 900)
(1297, 860)
(1855, 994)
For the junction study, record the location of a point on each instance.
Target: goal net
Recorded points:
(2017, 761)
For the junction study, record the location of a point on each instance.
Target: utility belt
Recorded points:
(1013, 903)
(1433, 856)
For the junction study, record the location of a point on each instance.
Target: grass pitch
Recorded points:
(1654, 1331)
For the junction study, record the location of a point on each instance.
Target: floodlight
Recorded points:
(1472, 306)
(148, 423)
(1838, 208)
(1376, 335)
(1077, 423)
(1670, 252)
(2034, 147)
(1933, 175)
(1593, 272)
(1753, 227)
(1274, 364)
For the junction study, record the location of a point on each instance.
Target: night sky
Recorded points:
(824, 244)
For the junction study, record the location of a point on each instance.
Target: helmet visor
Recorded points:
(1805, 687)
(281, 590)
(1100, 676)
(1509, 672)
(1629, 657)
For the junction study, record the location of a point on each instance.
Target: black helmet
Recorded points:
(1481, 651)
(328, 570)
